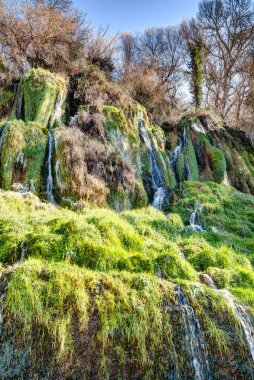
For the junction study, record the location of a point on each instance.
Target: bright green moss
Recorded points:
(41, 91)
(221, 277)
(6, 97)
(48, 298)
(180, 167)
(115, 118)
(192, 159)
(26, 143)
(218, 163)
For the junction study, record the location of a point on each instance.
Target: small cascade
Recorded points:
(158, 183)
(187, 165)
(159, 198)
(57, 115)
(182, 148)
(225, 180)
(207, 280)
(50, 182)
(193, 338)
(245, 319)
(198, 127)
(194, 220)
(23, 252)
(176, 154)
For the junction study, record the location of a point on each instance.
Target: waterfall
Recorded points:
(50, 183)
(225, 180)
(198, 127)
(23, 252)
(245, 319)
(176, 154)
(158, 183)
(193, 339)
(182, 148)
(57, 115)
(185, 142)
(159, 197)
(194, 220)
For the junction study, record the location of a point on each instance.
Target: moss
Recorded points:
(192, 159)
(114, 117)
(221, 277)
(219, 164)
(180, 167)
(41, 91)
(6, 97)
(45, 299)
(29, 140)
(173, 267)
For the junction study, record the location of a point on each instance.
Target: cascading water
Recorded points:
(198, 127)
(225, 180)
(176, 154)
(245, 319)
(23, 252)
(57, 115)
(182, 148)
(50, 183)
(158, 182)
(187, 166)
(194, 343)
(194, 220)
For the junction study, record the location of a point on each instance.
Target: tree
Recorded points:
(227, 29)
(156, 55)
(195, 62)
(60, 5)
(42, 37)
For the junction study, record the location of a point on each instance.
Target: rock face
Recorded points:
(113, 157)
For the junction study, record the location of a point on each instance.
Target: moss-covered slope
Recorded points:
(88, 302)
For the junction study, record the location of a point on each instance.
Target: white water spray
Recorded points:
(193, 338)
(245, 319)
(194, 220)
(158, 182)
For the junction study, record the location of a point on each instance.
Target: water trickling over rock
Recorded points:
(193, 338)
(187, 165)
(225, 180)
(50, 182)
(158, 182)
(246, 320)
(23, 252)
(180, 152)
(194, 219)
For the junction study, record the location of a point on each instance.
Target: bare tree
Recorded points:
(42, 37)
(61, 5)
(157, 53)
(100, 49)
(227, 27)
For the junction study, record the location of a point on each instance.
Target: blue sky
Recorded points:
(136, 15)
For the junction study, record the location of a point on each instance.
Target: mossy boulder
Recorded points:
(41, 97)
(22, 155)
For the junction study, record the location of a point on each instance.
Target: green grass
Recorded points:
(90, 279)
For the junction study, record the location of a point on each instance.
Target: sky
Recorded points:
(136, 15)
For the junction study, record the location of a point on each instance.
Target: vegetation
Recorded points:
(102, 286)
(99, 284)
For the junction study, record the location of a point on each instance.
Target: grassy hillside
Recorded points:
(94, 278)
